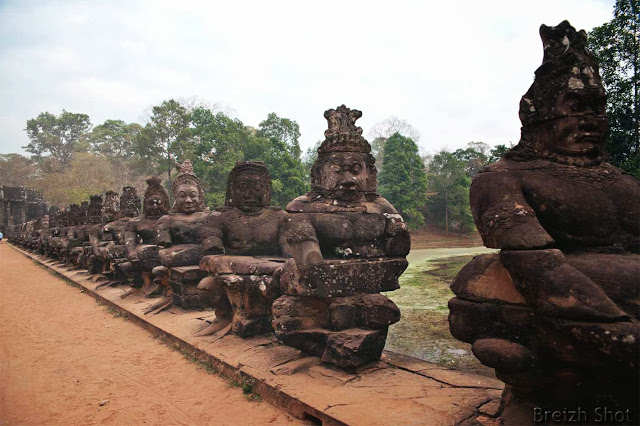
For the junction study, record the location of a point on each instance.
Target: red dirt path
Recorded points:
(61, 355)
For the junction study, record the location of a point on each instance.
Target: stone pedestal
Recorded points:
(548, 362)
(250, 284)
(333, 309)
(184, 282)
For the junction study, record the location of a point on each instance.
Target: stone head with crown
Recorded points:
(187, 190)
(156, 200)
(563, 113)
(345, 169)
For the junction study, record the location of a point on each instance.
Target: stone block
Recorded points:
(241, 265)
(339, 278)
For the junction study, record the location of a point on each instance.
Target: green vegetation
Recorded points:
(616, 45)
(403, 180)
(423, 331)
(71, 160)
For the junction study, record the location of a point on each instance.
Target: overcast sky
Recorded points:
(455, 70)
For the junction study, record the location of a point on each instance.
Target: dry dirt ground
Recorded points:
(66, 360)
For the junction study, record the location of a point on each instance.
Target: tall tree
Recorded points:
(386, 128)
(474, 157)
(449, 184)
(59, 136)
(114, 139)
(17, 170)
(86, 174)
(282, 129)
(497, 152)
(403, 180)
(616, 45)
(167, 137)
(220, 141)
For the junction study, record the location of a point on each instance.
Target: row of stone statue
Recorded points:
(312, 273)
(556, 312)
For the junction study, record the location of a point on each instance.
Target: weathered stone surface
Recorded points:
(354, 347)
(347, 245)
(248, 232)
(178, 233)
(485, 279)
(376, 311)
(338, 278)
(186, 274)
(556, 313)
(242, 265)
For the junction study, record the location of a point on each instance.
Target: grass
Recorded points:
(423, 331)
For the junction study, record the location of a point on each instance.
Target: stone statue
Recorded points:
(113, 233)
(56, 240)
(94, 226)
(556, 312)
(178, 233)
(101, 240)
(243, 238)
(140, 247)
(72, 222)
(78, 236)
(348, 244)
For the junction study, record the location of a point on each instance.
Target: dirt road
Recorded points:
(66, 360)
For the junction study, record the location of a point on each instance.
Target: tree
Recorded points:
(616, 45)
(16, 170)
(58, 136)
(497, 152)
(283, 129)
(309, 157)
(449, 182)
(220, 143)
(474, 157)
(86, 174)
(403, 180)
(114, 139)
(386, 128)
(166, 138)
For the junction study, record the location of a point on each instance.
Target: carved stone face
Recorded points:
(154, 206)
(109, 216)
(130, 210)
(95, 216)
(250, 190)
(582, 125)
(187, 199)
(345, 173)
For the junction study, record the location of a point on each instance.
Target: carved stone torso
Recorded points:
(243, 233)
(343, 230)
(145, 228)
(179, 228)
(115, 231)
(578, 207)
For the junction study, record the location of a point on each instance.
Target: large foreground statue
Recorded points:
(348, 245)
(556, 312)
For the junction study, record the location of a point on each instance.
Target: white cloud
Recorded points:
(454, 70)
